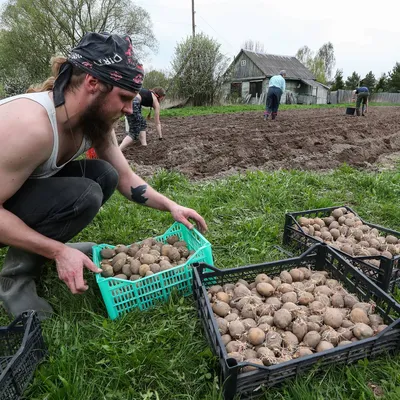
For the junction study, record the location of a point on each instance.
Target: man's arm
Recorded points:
(134, 188)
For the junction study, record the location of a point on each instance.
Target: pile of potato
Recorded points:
(345, 231)
(144, 259)
(299, 312)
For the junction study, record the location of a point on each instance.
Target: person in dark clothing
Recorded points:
(362, 94)
(277, 86)
(136, 123)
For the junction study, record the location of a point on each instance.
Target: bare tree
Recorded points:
(252, 45)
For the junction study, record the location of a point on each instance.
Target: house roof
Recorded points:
(312, 83)
(271, 64)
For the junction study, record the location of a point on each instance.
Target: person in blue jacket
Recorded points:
(277, 86)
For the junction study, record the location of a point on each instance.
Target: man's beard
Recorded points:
(94, 125)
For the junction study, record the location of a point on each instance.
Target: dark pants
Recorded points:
(61, 206)
(273, 100)
(361, 99)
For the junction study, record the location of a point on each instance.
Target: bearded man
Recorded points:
(46, 195)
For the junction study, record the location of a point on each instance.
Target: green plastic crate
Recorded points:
(121, 295)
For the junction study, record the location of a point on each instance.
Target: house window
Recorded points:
(243, 63)
(236, 89)
(255, 89)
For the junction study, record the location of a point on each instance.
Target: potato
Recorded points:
(324, 345)
(335, 233)
(126, 269)
(289, 340)
(302, 352)
(299, 328)
(289, 297)
(249, 323)
(221, 308)
(107, 270)
(345, 342)
(390, 239)
(135, 265)
(333, 318)
(239, 357)
(380, 328)
(273, 340)
(359, 315)
(262, 278)
(119, 257)
(266, 319)
(121, 276)
(323, 289)
(282, 318)
(143, 269)
(107, 253)
(133, 249)
(313, 326)
(147, 259)
(285, 288)
(286, 277)
(222, 325)
(165, 249)
(266, 355)
(256, 336)
(375, 320)
(121, 248)
(312, 339)
(289, 306)
(350, 300)
(236, 328)
(165, 265)
(226, 339)
(316, 307)
(306, 272)
(222, 296)
(134, 277)
(249, 311)
(337, 301)
(117, 266)
(337, 213)
(362, 331)
(387, 254)
(304, 221)
(174, 254)
(241, 291)
(232, 316)
(367, 307)
(235, 346)
(297, 275)
(155, 268)
(249, 368)
(265, 289)
(249, 353)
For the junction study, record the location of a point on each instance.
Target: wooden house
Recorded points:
(248, 76)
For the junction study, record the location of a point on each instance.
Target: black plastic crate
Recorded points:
(386, 276)
(248, 385)
(21, 349)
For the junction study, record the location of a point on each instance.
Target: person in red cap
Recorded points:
(47, 196)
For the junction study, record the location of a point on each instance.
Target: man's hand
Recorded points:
(182, 214)
(70, 264)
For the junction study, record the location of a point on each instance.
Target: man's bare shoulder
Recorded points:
(25, 124)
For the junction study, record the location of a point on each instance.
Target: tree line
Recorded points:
(32, 31)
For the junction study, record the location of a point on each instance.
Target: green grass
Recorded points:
(190, 111)
(162, 353)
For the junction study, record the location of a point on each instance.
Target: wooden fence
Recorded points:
(344, 96)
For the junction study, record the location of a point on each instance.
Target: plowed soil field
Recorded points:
(204, 147)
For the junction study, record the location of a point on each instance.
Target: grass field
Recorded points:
(189, 111)
(162, 354)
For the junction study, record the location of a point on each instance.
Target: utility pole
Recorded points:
(193, 24)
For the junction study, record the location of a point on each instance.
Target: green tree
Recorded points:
(382, 85)
(34, 30)
(352, 81)
(369, 81)
(198, 67)
(155, 78)
(338, 82)
(394, 79)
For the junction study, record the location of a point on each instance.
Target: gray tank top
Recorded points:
(49, 167)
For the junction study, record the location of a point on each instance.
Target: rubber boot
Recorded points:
(17, 284)
(274, 115)
(266, 115)
(84, 247)
(358, 112)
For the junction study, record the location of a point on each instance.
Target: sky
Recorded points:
(365, 34)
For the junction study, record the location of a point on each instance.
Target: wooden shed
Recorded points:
(248, 76)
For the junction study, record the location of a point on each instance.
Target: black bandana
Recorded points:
(106, 57)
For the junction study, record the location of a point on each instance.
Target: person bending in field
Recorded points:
(137, 124)
(362, 94)
(46, 195)
(277, 86)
